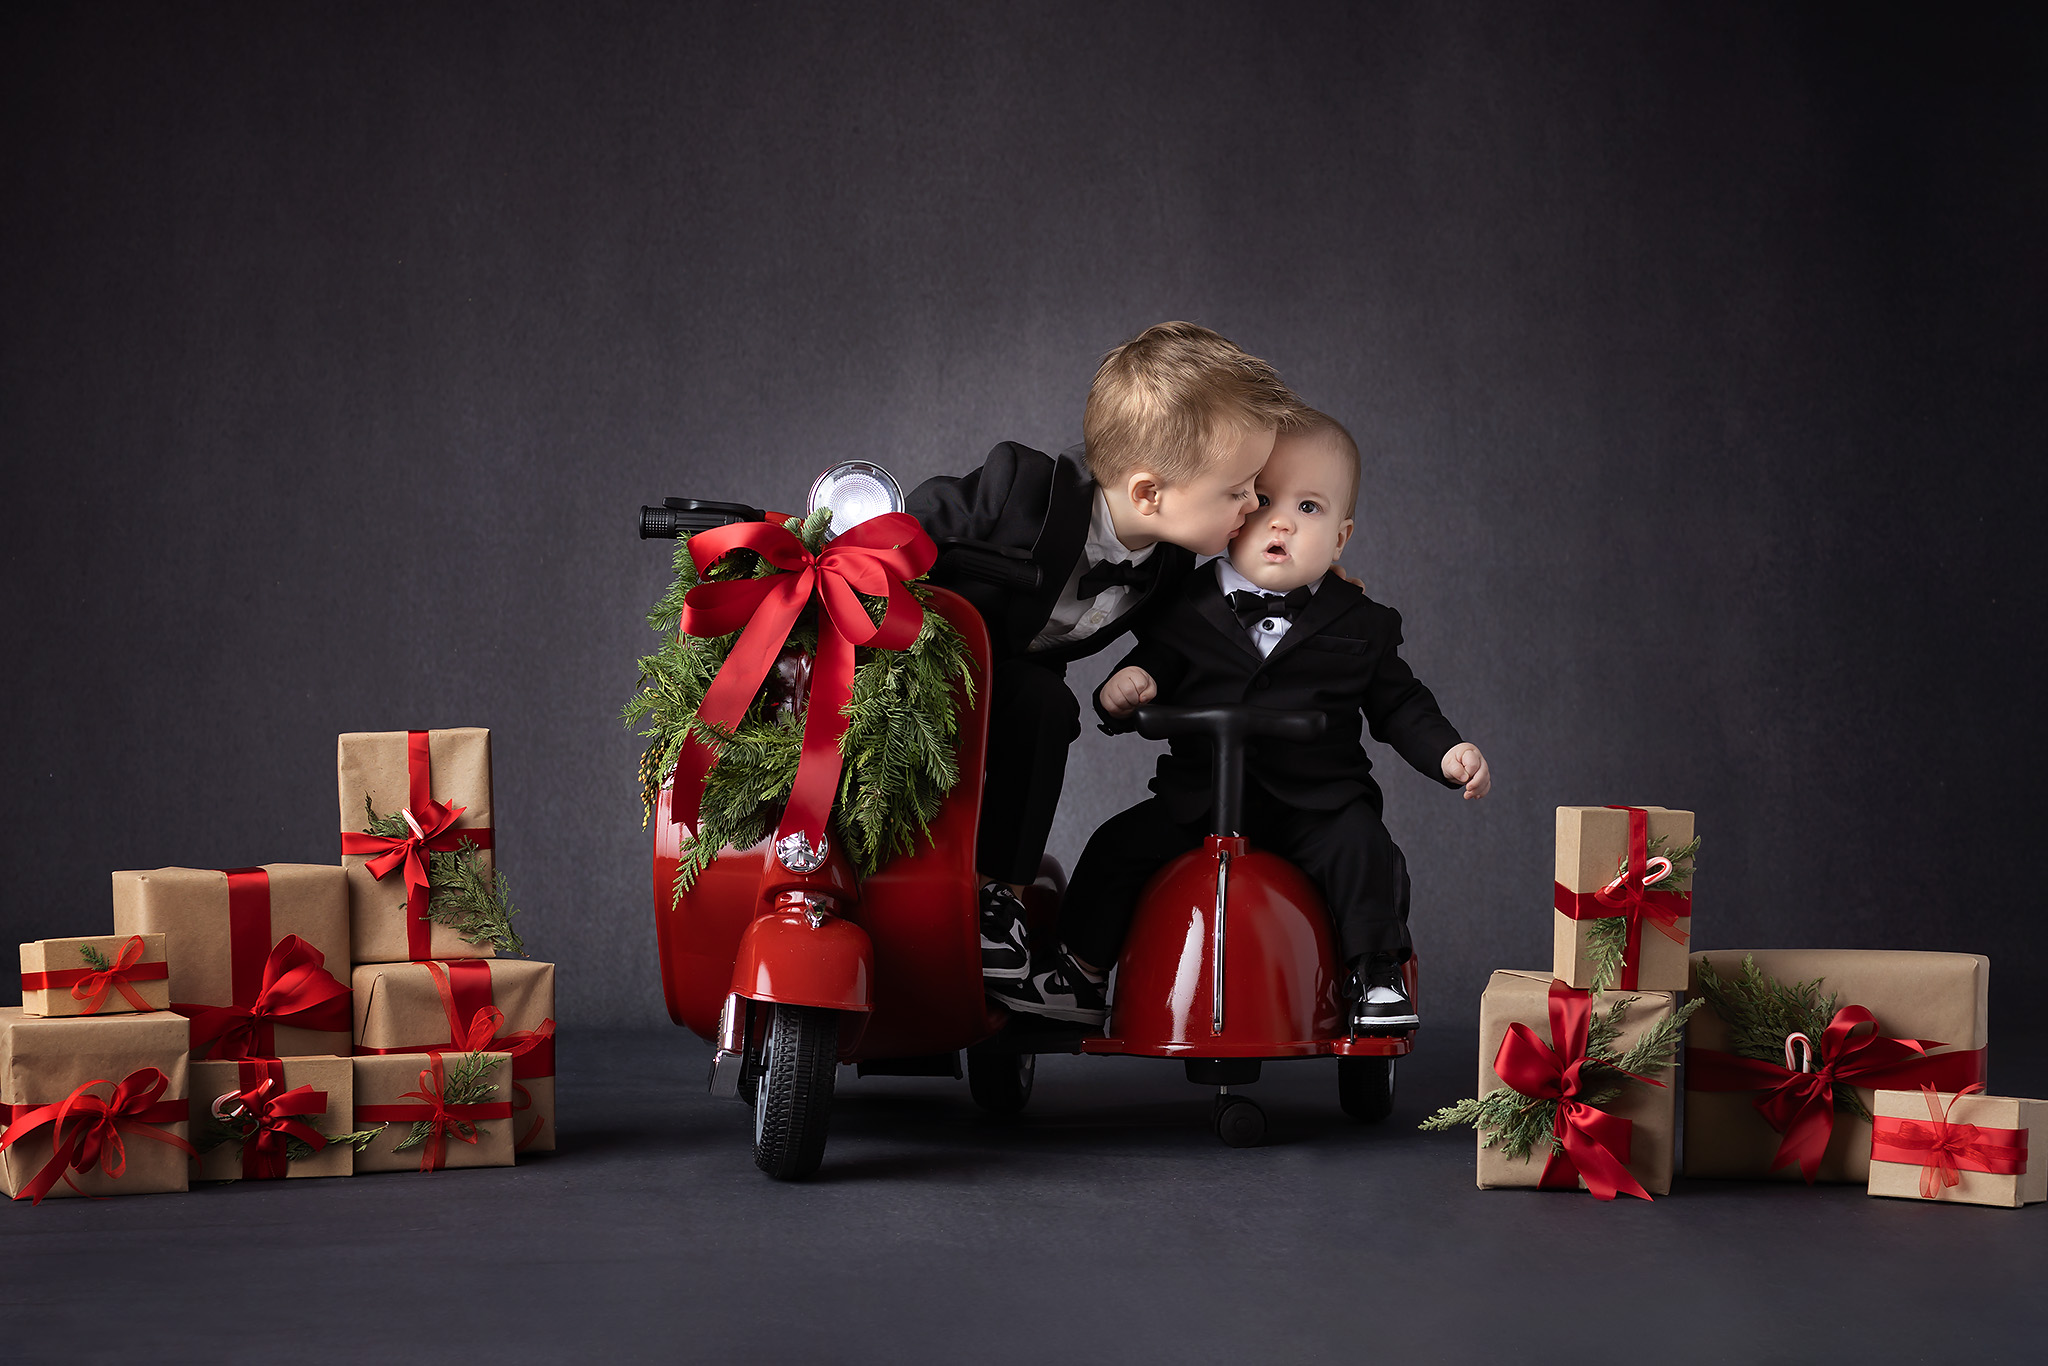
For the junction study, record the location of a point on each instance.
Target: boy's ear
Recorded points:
(1344, 535)
(1142, 488)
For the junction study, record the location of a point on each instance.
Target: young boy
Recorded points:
(1177, 423)
(1274, 625)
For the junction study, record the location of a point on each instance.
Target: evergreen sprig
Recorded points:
(467, 1082)
(1607, 938)
(472, 900)
(898, 754)
(94, 959)
(1761, 1012)
(296, 1149)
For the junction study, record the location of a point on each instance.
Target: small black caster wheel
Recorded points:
(1239, 1122)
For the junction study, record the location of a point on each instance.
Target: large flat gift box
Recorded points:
(428, 774)
(101, 974)
(227, 935)
(1939, 998)
(140, 1063)
(1963, 1149)
(400, 1090)
(260, 1103)
(436, 1007)
(1513, 997)
(1593, 849)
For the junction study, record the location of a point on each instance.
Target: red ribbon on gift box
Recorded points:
(1944, 1150)
(433, 828)
(292, 987)
(877, 558)
(91, 985)
(86, 1130)
(1801, 1105)
(459, 1120)
(1627, 896)
(275, 1112)
(1590, 1142)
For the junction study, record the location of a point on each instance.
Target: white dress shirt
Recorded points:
(1266, 631)
(1073, 618)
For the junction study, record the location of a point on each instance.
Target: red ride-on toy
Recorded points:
(792, 971)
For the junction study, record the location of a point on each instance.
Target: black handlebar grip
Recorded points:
(658, 522)
(1156, 722)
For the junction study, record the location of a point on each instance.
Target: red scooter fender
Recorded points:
(799, 958)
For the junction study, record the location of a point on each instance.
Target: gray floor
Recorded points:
(1108, 1225)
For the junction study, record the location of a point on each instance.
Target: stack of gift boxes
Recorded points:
(1843, 1065)
(292, 1019)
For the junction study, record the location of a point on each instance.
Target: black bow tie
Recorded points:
(1111, 573)
(1250, 607)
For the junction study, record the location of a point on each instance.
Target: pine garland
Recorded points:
(898, 753)
(468, 1082)
(1518, 1125)
(1607, 937)
(1761, 1011)
(94, 959)
(472, 900)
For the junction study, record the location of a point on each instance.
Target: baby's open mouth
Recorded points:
(1275, 551)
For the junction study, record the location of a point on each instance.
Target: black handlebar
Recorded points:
(688, 516)
(1228, 728)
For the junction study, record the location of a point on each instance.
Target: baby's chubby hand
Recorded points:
(1462, 764)
(1127, 689)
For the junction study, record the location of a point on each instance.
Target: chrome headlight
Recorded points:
(855, 491)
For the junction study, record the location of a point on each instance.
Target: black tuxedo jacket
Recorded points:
(1341, 657)
(1027, 500)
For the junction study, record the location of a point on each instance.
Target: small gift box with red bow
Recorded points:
(1963, 1147)
(502, 1005)
(93, 1106)
(270, 1118)
(254, 953)
(1783, 1065)
(96, 975)
(438, 1110)
(1623, 897)
(406, 796)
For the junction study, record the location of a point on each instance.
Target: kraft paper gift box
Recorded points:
(1513, 997)
(244, 1114)
(259, 956)
(1939, 998)
(399, 1090)
(440, 1007)
(430, 774)
(138, 1065)
(60, 976)
(1594, 846)
(1964, 1149)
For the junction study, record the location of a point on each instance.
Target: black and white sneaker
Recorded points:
(1063, 992)
(1382, 1005)
(1004, 957)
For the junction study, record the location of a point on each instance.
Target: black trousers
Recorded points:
(1346, 852)
(1032, 718)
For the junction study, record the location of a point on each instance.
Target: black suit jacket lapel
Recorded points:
(1214, 608)
(1332, 600)
(1058, 546)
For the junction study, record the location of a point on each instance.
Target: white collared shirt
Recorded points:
(1072, 618)
(1266, 631)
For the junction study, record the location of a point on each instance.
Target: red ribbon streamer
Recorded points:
(1801, 1105)
(91, 985)
(1590, 1142)
(94, 1136)
(459, 1119)
(1628, 897)
(294, 988)
(275, 1113)
(877, 558)
(434, 824)
(1944, 1150)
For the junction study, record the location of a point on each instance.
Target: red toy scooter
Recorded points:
(793, 970)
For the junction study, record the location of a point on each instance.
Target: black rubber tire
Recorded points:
(1365, 1088)
(1240, 1123)
(793, 1100)
(1000, 1082)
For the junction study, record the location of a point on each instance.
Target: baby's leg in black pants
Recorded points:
(1032, 718)
(1352, 859)
(1123, 853)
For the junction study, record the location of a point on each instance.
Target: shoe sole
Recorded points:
(1386, 1022)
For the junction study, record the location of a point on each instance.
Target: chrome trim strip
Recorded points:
(1216, 946)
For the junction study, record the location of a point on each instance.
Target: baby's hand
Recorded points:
(1126, 689)
(1465, 764)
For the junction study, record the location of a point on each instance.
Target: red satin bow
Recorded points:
(95, 1129)
(1590, 1142)
(877, 558)
(296, 990)
(443, 1118)
(1943, 1149)
(1627, 897)
(91, 985)
(433, 825)
(266, 1150)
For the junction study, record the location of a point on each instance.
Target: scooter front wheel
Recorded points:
(793, 1095)
(1000, 1082)
(1365, 1087)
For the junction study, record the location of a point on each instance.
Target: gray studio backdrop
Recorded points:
(1694, 352)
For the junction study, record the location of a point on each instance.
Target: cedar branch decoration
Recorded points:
(903, 726)
(296, 1149)
(1761, 1011)
(94, 959)
(1607, 938)
(468, 1082)
(462, 894)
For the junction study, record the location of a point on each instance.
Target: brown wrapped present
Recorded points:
(1781, 1097)
(1963, 1147)
(1624, 1145)
(253, 953)
(439, 782)
(247, 1114)
(1622, 897)
(120, 1084)
(98, 975)
(439, 1110)
(502, 1005)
